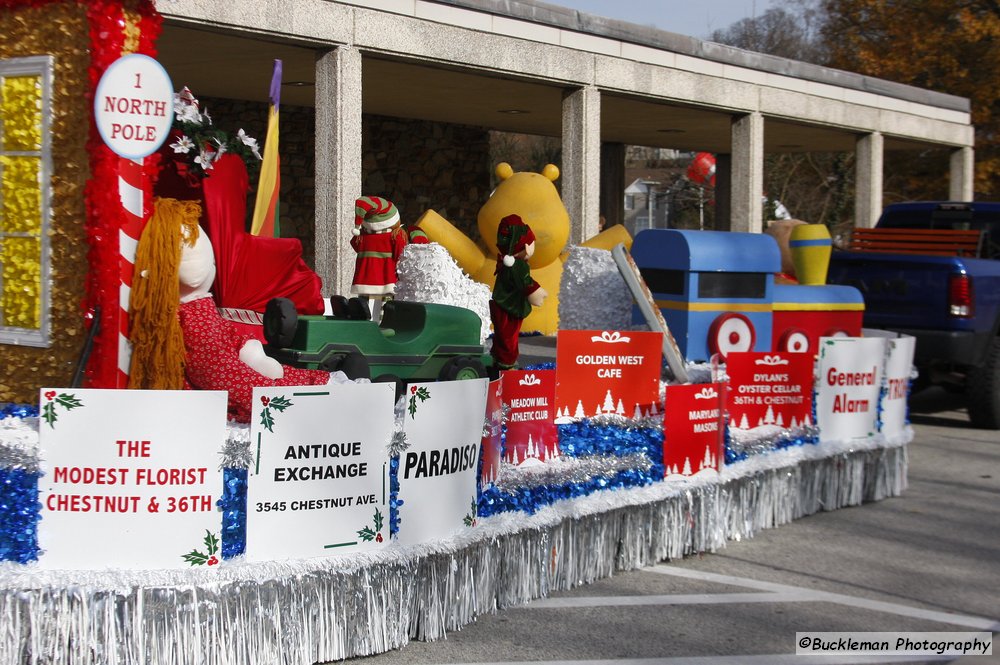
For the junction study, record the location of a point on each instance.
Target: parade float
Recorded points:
(315, 520)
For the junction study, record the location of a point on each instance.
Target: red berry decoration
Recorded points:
(212, 561)
(50, 395)
(378, 538)
(265, 401)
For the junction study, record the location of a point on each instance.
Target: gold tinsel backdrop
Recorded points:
(62, 31)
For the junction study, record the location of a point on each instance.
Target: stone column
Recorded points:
(338, 164)
(747, 209)
(868, 180)
(581, 161)
(961, 184)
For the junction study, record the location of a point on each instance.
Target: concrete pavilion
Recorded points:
(537, 68)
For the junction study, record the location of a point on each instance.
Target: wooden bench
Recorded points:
(936, 242)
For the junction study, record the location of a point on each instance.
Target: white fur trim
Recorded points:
(508, 260)
(381, 226)
(356, 231)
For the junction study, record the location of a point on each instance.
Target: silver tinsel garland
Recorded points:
(305, 611)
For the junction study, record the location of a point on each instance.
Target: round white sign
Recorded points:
(134, 106)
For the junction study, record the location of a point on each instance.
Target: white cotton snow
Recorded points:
(428, 273)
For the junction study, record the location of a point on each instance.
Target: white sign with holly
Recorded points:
(437, 471)
(848, 384)
(318, 485)
(898, 367)
(130, 478)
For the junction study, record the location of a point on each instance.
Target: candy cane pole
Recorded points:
(130, 188)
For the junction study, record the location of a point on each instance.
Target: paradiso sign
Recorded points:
(133, 106)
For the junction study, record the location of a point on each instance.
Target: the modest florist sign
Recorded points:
(531, 430)
(318, 483)
(131, 478)
(770, 389)
(607, 372)
(437, 472)
(692, 430)
(134, 106)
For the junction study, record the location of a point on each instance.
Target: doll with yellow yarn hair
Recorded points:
(179, 339)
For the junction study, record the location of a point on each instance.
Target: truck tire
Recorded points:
(983, 390)
(460, 368)
(280, 322)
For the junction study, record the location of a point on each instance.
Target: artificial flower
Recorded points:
(250, 142)
(182, 145)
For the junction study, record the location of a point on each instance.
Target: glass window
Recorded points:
(25, 167)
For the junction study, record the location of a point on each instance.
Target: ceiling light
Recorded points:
(298, 84)
(670, 130)
(513, 111)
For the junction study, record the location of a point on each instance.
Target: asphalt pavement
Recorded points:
(928, 561)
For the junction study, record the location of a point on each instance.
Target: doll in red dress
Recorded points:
(379, 239)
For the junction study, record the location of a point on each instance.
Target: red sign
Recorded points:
(610, 372)
(692, 430)
(770, 389)
(531, 430)
(492, 439)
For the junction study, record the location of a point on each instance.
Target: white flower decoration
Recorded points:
(250, 142)
(222, 149)
(205, 159)
(182, 145)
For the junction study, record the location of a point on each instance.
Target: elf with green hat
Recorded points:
(515, 292)
(379, 240)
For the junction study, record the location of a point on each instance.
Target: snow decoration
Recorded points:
(592, 293)
(428, 273)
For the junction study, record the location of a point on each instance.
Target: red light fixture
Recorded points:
(960, 296)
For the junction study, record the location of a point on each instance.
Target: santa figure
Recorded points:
(379, 239)
(515, 292)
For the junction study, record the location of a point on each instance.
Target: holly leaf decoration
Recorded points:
(368, 534)
(470, 517)
(69, 401)
(266, 420)
(49, 413)
(420, 393)
(211, 542)
(196, 558)
(280, 403)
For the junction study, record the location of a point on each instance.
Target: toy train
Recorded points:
(717, 292)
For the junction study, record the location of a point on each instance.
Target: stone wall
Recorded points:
(417, 165)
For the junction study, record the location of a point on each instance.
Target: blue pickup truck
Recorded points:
(932, 270)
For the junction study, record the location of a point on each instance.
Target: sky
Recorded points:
(695, 18)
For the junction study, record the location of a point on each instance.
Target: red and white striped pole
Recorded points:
(131, 183)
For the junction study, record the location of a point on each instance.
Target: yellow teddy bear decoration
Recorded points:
(534, 198)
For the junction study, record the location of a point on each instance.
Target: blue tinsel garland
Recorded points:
(233, 504)
(19, 509)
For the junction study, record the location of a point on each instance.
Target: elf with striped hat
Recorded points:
(515, 292)
(379, 240)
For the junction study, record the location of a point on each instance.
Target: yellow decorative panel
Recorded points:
(20, 300)
(20, 195)
(21, 113)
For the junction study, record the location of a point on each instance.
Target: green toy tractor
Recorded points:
(414, 342)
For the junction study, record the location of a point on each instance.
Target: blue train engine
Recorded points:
(717, 293)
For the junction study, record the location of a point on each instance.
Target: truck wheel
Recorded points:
(983, 390)
(353, 364)
(280, 322)
(460, 368)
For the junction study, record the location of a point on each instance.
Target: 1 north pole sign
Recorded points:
(134, 106)
(692, 430)
(531, 430)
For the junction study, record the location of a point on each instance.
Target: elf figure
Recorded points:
(379, 240)
(515, 292)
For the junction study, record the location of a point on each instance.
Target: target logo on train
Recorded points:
(717, 293)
